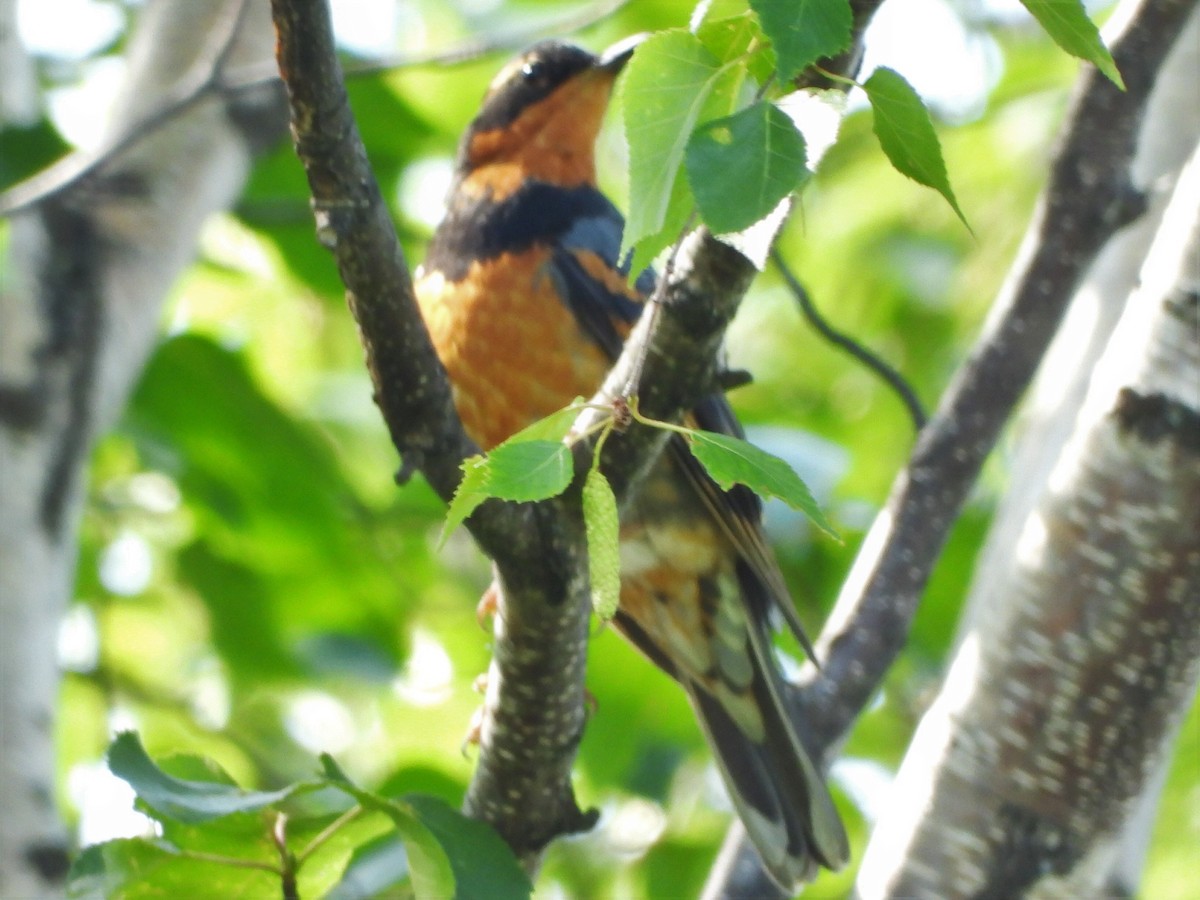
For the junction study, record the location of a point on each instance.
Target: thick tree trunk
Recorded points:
(18, 87)
(1169, 135)
(1088, 198)
(89, 265)
(1085, 651)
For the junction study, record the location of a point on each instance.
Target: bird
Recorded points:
(528, 302)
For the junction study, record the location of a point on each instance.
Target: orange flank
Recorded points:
(513, 350)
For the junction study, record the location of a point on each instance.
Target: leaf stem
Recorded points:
(344, 819)
(232, 861)
(841, 79)
(287, 859)
(655, 423)
(876, 364)
(606, 429)
(592, 429)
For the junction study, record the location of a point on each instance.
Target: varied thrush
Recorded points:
(528, 304)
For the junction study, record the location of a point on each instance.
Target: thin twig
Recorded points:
(877, 365)
(221, 47)
(212, 78)
(474, 48)
(202, 80)
(1087, 199)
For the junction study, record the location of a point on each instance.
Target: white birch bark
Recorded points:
(1169, 134)
(18, 87)
(1084, 652)
(88, 267)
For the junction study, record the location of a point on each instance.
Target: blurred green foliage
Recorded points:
(290, 600)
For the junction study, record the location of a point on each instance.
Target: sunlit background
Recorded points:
(223, 612)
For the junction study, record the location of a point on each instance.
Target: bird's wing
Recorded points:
(594, 286)
(590, 277)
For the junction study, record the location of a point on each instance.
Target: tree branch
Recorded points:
(892, 378)
(80, 311)
(1086, 652)
(233, 82)
(1088, 198)
(534, 710)
(509, 42)
(207, 76)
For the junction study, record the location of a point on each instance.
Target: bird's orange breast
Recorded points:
(515, 353)
(512, 348)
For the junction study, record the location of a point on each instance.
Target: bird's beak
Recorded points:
(614, 58)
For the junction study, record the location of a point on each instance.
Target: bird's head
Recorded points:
(540, 118)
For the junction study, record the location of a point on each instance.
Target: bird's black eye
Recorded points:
(533, 71)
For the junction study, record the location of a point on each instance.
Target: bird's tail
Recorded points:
(777, 791)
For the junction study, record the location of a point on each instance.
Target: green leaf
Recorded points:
(448, 853)
(730, 460)
(529, 470)
(739, 39)
(239, 835)
(553, 427)
(431, 873)
(1067, 23)
(483, 864)
(602, 527)
(803, 31)
(672, 84)
(175, 798)
(28, 149)
(766, 150)
(135, 869)
(140, 869)
(727, 39)
(332, 771)
(533, 464)
(430, 870)
(374, 866)
(906, 133)
(471, 492)
(731, 32)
